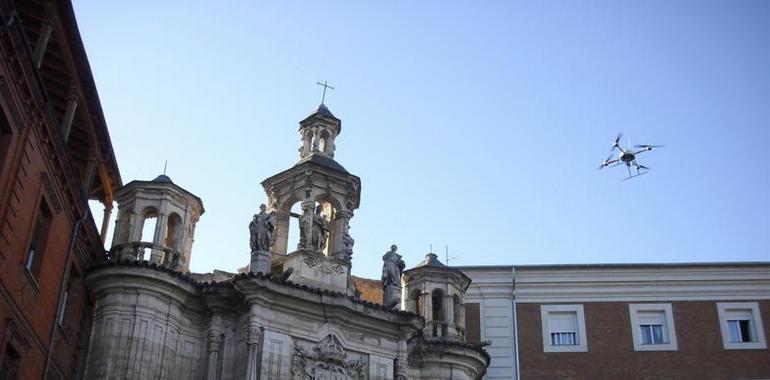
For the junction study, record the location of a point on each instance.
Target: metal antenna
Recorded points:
(446, 254)
(165, 164)
(325, 86)
(431, 247)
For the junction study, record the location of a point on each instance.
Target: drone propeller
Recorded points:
(642, 167)
(617, 140)
(606, 162)
(647, 146)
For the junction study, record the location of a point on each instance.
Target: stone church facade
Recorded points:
(292, 315)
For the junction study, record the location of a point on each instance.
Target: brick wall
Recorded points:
(611, 354)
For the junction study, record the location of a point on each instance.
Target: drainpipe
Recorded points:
(515, 341)
(517, 372)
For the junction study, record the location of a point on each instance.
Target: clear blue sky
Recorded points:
(477, 125)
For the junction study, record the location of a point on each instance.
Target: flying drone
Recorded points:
(627, 156)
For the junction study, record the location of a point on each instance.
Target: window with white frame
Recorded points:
(741, 325)
(652, 326)
(563, 328)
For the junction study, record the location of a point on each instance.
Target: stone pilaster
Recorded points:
(214, 347)
(254, 342)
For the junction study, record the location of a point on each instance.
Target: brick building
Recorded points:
(613, 321)
(55, 155)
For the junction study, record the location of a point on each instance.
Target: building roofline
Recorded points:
(619, 265)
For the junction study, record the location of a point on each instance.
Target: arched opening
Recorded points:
(320, 223)
(173, 238)
(149, 220)
(437, 299)
(439, 317)
(323, 145)
(293, 235)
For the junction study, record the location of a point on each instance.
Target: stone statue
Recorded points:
(262, 229)
(320, 230)
(392, 268)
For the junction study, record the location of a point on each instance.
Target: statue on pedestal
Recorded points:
(319, 230)
(392, 268)
(262, 230)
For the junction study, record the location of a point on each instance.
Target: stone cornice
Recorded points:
(641, 283)
(243, 286)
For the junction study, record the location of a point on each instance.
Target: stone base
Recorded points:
(260, 262)
(391, 296)
(319, 271)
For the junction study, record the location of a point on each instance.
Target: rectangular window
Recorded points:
(563, 328)
(652, 327)
(472, 323)
(741, 325)
(39, 238)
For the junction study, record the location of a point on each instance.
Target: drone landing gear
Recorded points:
(634, 175)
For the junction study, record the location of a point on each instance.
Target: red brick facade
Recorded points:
(54, 156)
(611, 354)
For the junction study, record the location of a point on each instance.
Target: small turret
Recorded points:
(435, 291)
(177, 211)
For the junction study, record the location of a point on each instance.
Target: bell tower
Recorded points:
(435, 291)
(175, 212)
(328, 195)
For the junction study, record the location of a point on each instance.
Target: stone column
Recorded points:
(449, 313)
(306, 141)
(136, 224)
(105, 221)
(427, 306)
(316, 139)
(160, 232)
(253, 341)
(407, 303)
(337, 240)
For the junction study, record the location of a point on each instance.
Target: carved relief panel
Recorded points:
(327, 360)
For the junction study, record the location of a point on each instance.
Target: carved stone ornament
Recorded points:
(327, 360)
(400, 369)
(254, 334)
(214, 340)
(322, 266)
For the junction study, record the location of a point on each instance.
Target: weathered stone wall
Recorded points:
(152, 323)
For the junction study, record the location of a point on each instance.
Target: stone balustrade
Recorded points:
(136, 251)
